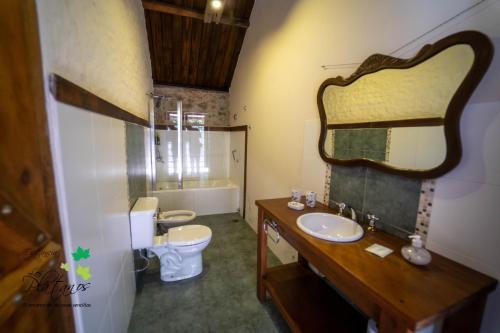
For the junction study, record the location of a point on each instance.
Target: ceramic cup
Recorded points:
(310, 199)
(296, 195)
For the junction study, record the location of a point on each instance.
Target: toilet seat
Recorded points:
(176, 216)
(188, 235)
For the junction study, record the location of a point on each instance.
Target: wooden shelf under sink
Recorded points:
(308, 304)
(400, 296)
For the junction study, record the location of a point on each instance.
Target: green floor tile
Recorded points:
(223, 299)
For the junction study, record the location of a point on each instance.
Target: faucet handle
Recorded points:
(342, 206)
(372, 219)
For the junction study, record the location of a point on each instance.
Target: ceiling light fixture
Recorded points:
(213, 11)
(216, 4)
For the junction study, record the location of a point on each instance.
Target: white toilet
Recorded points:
(179, 250)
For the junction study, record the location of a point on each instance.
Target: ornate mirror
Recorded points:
(402, 116)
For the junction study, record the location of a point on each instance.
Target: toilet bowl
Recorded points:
(179, 250)
(174, 217)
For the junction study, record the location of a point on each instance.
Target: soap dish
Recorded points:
(379, 250)
(296, 205)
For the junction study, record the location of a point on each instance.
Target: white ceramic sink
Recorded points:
(330, 227)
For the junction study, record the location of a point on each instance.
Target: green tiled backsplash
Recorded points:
(393, 199)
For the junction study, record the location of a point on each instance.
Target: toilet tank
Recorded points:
(142, 223)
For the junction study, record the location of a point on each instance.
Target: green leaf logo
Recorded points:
(84, 272)
(81, 254)
(65, 266)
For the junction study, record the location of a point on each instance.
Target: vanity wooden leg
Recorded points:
(261, 258)
(391, 324)
(468, 319)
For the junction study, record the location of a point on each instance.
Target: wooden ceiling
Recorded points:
(187, 52)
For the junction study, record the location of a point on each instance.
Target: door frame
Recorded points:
(27, 181)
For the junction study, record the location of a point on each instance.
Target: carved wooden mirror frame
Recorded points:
(483, 53)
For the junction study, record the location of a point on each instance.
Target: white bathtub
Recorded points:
(204, 197)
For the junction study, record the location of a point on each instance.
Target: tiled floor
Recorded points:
(222, 299)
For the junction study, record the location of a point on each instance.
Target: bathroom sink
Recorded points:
(330, 227)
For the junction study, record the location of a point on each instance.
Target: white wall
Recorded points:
(93, 160)
(101, 46)
(417, 147)
(237, 164)
(464, 223)
(279, 72)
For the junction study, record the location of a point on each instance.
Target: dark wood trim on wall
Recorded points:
(238, 128)
(422, 122)
(483, 54)
(245, 174)
(67, 92)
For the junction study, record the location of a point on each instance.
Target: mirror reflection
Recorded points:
(396, 116)
(401, 147)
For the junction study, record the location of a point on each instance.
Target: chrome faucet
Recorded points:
(342, 208)
(353, 214)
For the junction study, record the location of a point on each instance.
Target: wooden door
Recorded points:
(30, 235)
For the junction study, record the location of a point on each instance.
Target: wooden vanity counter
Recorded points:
(400, 296)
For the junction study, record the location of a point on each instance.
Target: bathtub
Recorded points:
(205, 197)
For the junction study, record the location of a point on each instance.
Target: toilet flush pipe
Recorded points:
(146, 260)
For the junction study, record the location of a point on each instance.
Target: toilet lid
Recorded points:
(188, 235)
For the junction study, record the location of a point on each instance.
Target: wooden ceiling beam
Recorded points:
(162, 7)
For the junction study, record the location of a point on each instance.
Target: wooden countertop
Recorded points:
(418, 294)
